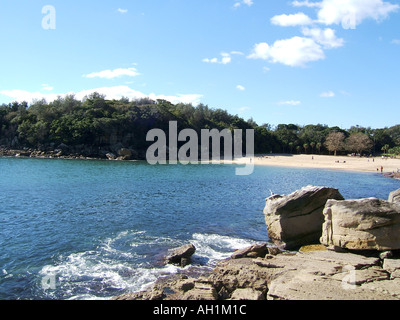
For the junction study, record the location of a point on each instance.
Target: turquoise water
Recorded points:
(75, 229)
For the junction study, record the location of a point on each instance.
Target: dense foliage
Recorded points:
(102, 124)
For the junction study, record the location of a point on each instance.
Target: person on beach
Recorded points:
(381, 169)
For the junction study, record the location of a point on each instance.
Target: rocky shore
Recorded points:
(77, 152)
(323, 248)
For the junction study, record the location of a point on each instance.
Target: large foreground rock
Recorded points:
(364, 224)
(296, 219)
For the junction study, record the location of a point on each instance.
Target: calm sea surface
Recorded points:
(72, 229)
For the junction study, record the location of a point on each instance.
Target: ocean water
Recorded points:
(76, 229)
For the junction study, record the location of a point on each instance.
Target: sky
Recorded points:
(332, 62)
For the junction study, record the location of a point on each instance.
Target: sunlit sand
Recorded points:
(373, 164)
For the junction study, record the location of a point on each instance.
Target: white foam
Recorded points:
(98, 274)
(217, 247)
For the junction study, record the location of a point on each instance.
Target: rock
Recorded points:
(296, 219)
(358, 277)
(384, 288)
(316, 275)
(110, 156)
(257, 250)
(233, 274)
(201, 291)
(364, 224)
(313, 247)
(394, 196)
(391, 265)
(274, 251)
(182, 255)
(125, 154)
(325, 275)
(386, 255)
(247, 294)
(299, 285)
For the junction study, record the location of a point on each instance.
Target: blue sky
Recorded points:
(333, 62)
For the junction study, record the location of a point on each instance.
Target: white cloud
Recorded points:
(111, 74)
(225, 57)
(237, 53)
(245, 2)
(290, 103)
(295, 52)
(122, 10)
(244, 108)
(261, 51)
(354, 11)
(22, 95)
(298, 51)
(213, 60)
(328, 94)
(240, 87)
(116, 92)
(327, 37)
(306, 3)
(291, 20)
(47, 87)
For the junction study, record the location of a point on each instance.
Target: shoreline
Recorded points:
(386, 166)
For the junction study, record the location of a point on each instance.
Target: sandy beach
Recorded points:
(330, 162)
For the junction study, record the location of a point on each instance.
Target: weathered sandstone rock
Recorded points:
(247, 294)
(257, 250)
(296, 219)
(364, 224)
(316, 275)
(394, 196)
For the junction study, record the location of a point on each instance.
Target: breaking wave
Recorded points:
(128, 262)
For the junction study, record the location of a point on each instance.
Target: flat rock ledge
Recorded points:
(313, 273)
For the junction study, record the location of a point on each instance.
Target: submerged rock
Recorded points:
(295, 220)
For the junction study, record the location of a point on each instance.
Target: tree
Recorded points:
(305, 146)
(319, 146)
(394, 151)
(385, 148)
(291, 145)
(382, 137)
(286, 134)
(335, 142)
(359, 142)
(312, 145)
